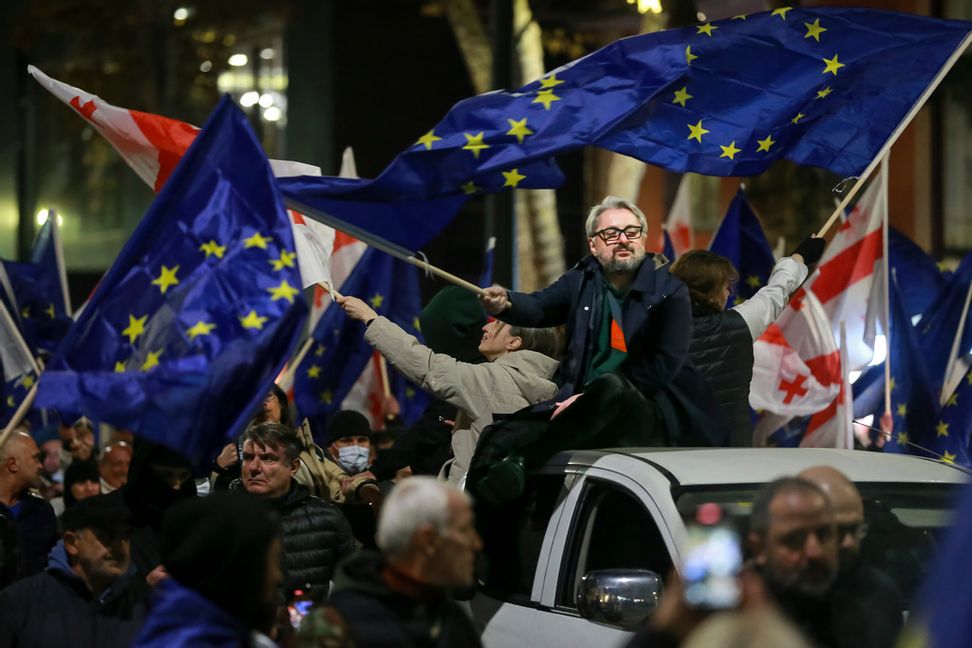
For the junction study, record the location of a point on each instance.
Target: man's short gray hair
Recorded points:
(416, 501)
(612, 202)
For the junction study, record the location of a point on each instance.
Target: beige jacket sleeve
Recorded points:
(467, 386)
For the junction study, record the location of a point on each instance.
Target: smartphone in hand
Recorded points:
(711, 565)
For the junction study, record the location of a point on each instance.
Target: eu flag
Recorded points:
(955, 422)
(18, 369)
(740, 239)
(914, 408)
(668, 248)
(939, 325)
(39, 295)
(340, 353)
(186, 331)
(919, 277)
(821, 86)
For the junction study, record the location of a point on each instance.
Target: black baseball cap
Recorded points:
(100, 512)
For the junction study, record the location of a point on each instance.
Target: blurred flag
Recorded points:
(668, 248)
(186, 331)
(486, 278)
(940, 616)
(153, 145)
(339, 372)
(818, 86)
(20, 371)
(955, 422)
(938, 328)
(849, 280)
(38, 292)
(740, 239)
(919, 277)
(796, 367)
(914, 408)
(678, 227)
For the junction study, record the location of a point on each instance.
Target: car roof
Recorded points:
(711, 466)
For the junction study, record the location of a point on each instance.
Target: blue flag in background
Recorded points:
(667, 248)
(938, 326)
(39, 299)
(486, 278)
(740, 239)
(914, 406)
(18, 369)
(340, 353)
(955, 422)
(822, 86)
(919, 278)
(198, 313)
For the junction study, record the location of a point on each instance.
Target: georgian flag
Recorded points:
(153, 145)
(796, 369)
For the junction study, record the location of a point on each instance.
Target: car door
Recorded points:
(517, 540)
(615, 524)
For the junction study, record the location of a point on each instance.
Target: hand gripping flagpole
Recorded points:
(893, 137)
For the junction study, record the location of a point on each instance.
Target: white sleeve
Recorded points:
(762, 309)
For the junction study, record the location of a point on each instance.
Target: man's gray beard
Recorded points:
(630, 264)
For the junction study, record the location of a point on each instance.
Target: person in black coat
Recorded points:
(158, 479)
(315, 532)
(32, 516)
(89, 595)
(403, 595)
(722, 340)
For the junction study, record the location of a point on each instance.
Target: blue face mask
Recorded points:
(354, 458)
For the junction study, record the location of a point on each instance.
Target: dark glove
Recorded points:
(811, 249)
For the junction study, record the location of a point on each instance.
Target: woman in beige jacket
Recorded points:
(519, 373)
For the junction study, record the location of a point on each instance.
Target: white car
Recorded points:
(605, 527)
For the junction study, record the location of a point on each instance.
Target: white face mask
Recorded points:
(354, 458)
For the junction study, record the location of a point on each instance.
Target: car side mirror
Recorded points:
(619, 597)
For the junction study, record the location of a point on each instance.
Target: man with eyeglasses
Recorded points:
(867, 604)
(629, 324)
(33, 516)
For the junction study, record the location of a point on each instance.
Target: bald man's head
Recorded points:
(848, 510)
(20, 462)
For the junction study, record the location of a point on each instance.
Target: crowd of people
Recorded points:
(366, 538)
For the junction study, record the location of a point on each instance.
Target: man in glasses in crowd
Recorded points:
(628, 325)
(867, 604)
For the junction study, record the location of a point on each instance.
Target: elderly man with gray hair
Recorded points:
(402, 596)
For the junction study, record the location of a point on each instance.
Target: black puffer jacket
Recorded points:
(316, 535)
(722, 350)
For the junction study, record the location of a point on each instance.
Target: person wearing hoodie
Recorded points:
(89, 594)
(518, 373)
(158, 479)
(403, 595)
(223, 555)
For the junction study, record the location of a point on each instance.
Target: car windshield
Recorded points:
(904, 522)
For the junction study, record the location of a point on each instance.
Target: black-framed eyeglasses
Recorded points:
(613, 234)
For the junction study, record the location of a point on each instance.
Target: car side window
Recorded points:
(611, 530)
(513, 537)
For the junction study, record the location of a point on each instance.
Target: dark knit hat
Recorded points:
(102, 512)
(79, 471)
(45, 434)
(347, 423)
(217, 546)
(452, 323)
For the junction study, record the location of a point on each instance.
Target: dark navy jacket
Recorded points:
(657, 326)
(36, 532)
(183, 617)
